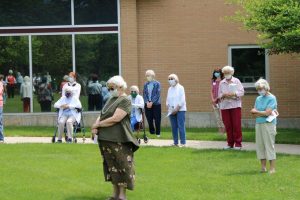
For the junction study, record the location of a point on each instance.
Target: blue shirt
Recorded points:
(150, 87)
(265, 102)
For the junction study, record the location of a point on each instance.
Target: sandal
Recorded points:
(111, 198)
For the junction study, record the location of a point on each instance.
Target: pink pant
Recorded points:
(232, 121)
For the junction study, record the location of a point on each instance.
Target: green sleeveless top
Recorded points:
(121, 131)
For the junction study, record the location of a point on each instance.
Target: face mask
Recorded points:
(262, 92)
(68, 95)
(71, 79)
(217, 74)
(114, 93)
(228, 76)
(149, 78)
(133, 94)
(172, 82)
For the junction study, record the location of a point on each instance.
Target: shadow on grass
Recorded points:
(244, 173)
(101, 197)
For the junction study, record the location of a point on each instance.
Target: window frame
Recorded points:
(231, 47)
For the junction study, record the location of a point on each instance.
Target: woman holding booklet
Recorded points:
(230, 93)
(265, 128)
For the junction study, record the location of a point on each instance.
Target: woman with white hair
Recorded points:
(230, 92)
(265, 128)
(176, 105)
(26, 93)
(137, 103)
(151, 96)
(116, 142)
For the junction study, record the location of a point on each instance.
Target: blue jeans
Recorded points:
(1, 124)
(178, 123)
(133, 121)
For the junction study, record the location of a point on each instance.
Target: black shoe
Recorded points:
(59, 141)
(69, 140)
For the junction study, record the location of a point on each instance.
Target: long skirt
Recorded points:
(118, 163)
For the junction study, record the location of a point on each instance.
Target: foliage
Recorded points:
(277, 22)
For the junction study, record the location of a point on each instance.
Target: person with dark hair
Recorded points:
(45, 96)
(94, 90)
(217, 77)
(11, 83)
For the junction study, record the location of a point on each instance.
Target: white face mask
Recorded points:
(114, 93)
(71, 79)
(172, 82)
(149, 78)
(228, 76)
(262, 92)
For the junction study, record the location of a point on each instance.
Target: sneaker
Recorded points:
(227, 147)
(174, 145)
(182, 145)
(237, 148)
(1, 141)
(158, 136)
(69, 140)
(59, 141)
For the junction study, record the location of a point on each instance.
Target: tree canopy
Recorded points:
(276, 21)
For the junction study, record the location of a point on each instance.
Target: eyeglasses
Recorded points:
(133, 92)
(110, 89)
(171, 79)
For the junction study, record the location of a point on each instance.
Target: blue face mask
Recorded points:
(217, 74)
(68, 94)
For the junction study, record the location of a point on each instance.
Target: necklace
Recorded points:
(104, 109)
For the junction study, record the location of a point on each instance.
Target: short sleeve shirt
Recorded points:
(265, 102)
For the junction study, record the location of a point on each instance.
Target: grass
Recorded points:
(284, 136)
(74, 172)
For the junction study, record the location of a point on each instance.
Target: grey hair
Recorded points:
(26, 79)
(262, 83)
(228, 68)
(135, 88)
(174, 76)
(150, 72)
(118, 81)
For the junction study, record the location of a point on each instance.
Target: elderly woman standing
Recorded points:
(230, 93)
(265, 128)
(176, 109)
(26, 93)
(116, 142)
(151, 95)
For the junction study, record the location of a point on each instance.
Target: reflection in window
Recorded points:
(14, 66)
(249, 63)
(52, 59)
(95, 54)
(35, 12)
(96, 12)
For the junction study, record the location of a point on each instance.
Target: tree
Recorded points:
(276, 21)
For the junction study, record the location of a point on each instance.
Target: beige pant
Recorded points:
(217, 113)
(69, 121)
(265, 141)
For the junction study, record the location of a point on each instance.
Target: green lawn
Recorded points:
(74, 172)
(284, 136)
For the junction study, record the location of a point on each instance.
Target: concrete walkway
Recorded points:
(248, 146)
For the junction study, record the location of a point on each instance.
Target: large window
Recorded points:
(250, 63)
(46, 39)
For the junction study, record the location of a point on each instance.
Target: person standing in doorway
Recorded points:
(152, 101)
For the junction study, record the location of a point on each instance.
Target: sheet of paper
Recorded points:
(271, 117)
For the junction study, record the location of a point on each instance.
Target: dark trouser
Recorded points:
(232, 121)
(153, 113)
(94, 100)
(10, 91)
(45, 106)
(26, 104)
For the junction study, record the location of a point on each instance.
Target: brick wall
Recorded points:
(191, 38)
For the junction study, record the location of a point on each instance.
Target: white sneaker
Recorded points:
(237, 148)
(174, 145)
(227, 147)
(158, 136)
(182, 145)
(1, 141)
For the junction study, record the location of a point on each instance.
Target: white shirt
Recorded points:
(73, 103)
(74, 87)
(137, 103)
(176, 97)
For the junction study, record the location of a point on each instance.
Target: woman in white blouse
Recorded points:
(176, 109)
(137, 103)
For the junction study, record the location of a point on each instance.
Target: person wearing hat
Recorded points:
(11, 82)
(72, 85)
(68, 114)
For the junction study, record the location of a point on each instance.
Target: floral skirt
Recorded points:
(118, 165)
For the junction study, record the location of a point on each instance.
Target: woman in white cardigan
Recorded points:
(68, 114)
(137, 103)
(176, 105)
